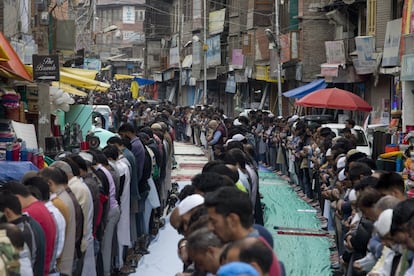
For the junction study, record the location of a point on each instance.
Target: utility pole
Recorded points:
(205, 48)
(179, 16)
(279, 65)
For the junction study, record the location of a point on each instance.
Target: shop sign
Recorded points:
(407, 68)
(46, 68)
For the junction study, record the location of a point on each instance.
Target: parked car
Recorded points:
(362, 143)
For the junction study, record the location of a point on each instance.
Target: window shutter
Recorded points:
(372, 17)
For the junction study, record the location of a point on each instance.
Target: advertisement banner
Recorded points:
(213, 51)
(392, 44)
(237, 59)
(216, 21)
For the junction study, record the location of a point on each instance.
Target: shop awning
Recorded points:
(69, 89)
(10, 64)
(3, 55)
(90, 74)
(123, 77)
(142, 81)
(79, 81)
(83, 82)
(304, 90)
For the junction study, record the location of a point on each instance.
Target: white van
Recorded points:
(362, 143)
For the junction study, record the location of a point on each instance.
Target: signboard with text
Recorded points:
(128, 14)
(46, 68)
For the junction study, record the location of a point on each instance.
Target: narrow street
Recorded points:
(301, 255)
(163, 258)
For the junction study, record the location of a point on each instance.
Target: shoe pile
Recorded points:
(134, 255)
(172, 198)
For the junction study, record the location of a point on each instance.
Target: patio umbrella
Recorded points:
(335, 98)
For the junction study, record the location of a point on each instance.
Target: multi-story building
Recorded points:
(124, 45)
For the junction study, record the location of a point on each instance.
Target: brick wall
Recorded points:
(314, 35)
(315, 30)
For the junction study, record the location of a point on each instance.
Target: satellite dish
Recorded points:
(349, 2)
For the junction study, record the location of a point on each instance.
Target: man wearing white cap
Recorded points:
(187, 207)
(382, 226)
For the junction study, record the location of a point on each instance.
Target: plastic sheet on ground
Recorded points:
(301, 255)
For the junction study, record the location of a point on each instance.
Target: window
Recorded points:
(140, 15)
(397, 7)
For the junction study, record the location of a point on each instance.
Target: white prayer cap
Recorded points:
(383, 223)
(189, 203)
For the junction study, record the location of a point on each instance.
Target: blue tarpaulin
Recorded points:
(142, 81)
(306, 89)
(13, 170)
